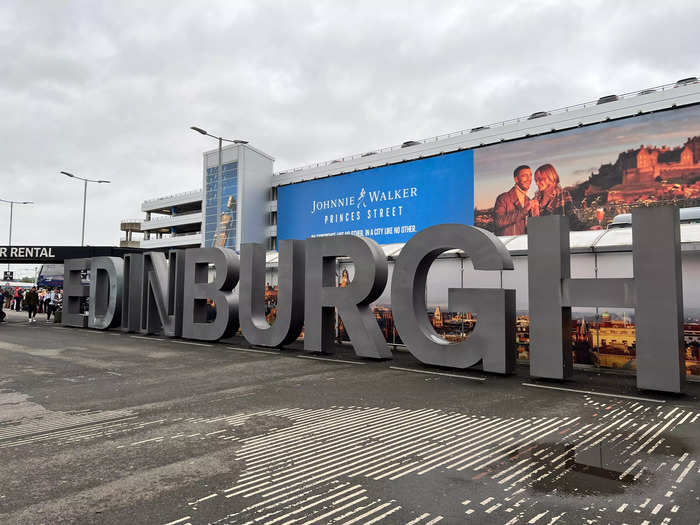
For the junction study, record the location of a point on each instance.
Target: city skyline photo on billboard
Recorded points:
(591, 173)
(388, 204)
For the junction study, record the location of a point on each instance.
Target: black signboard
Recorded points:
(57, 254)
(8, 276)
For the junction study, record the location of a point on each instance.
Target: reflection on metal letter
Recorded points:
(163, 293)
(352, 302)
(106, 284)
(655, 292)
(198, 291)
(132, 295)
(290, 303)
(493, 338)
(73, 292)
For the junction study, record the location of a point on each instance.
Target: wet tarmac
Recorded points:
(107, 427)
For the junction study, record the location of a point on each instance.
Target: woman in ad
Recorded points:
(552, 199)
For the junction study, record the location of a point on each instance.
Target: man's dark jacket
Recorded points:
(509, 217)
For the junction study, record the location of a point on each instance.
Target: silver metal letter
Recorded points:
(106, 284)
(656, 293)
(493, 338)
(352, 302)
(197, 291)
(132, 294)
(163, 292)
(290, 299)
(73, 292)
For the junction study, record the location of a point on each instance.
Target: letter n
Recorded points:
(163, 281)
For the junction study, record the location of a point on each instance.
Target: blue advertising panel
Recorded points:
(388, 204)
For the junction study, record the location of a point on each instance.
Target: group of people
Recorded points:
(44, 300)
(514, 207)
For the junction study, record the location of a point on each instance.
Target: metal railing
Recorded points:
(170, 217)
(174, 195)
(557, 111)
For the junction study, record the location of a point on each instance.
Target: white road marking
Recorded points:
(336, 509)
(419, 518)
(685, 472)
(254, 351)
(437, 373)
(189, 343)
(330, 360)
(369, 513)
(547, 387)
(382, 516)
(205, 498)
(148, 440)
(178, 521)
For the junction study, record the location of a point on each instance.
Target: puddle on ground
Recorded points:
(595, 471)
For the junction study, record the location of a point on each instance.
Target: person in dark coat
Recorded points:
(31, 301)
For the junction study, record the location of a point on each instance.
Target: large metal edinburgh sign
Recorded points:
(387, 204)
(146, 293)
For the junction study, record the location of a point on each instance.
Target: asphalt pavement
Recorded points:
(109, 427)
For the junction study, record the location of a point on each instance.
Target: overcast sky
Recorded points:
(109, 89)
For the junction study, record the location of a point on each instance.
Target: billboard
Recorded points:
(590, 173)
(388, 204)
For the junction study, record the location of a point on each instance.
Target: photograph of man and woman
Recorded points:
(589, 174)
(513, 207)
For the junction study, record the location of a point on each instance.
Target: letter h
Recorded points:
(655, 292)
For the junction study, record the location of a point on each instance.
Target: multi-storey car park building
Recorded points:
(173, 221)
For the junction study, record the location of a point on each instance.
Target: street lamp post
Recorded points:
(85, 181)
(12, 203)
(221, 141)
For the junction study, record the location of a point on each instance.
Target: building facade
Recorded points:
(172, 221)
(239, 201)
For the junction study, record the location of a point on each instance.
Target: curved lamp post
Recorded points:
(12, 203)
(85, 181)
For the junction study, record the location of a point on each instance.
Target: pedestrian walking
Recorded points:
(2, 305)
(18, 299)
(50, 303)
(31, 301)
